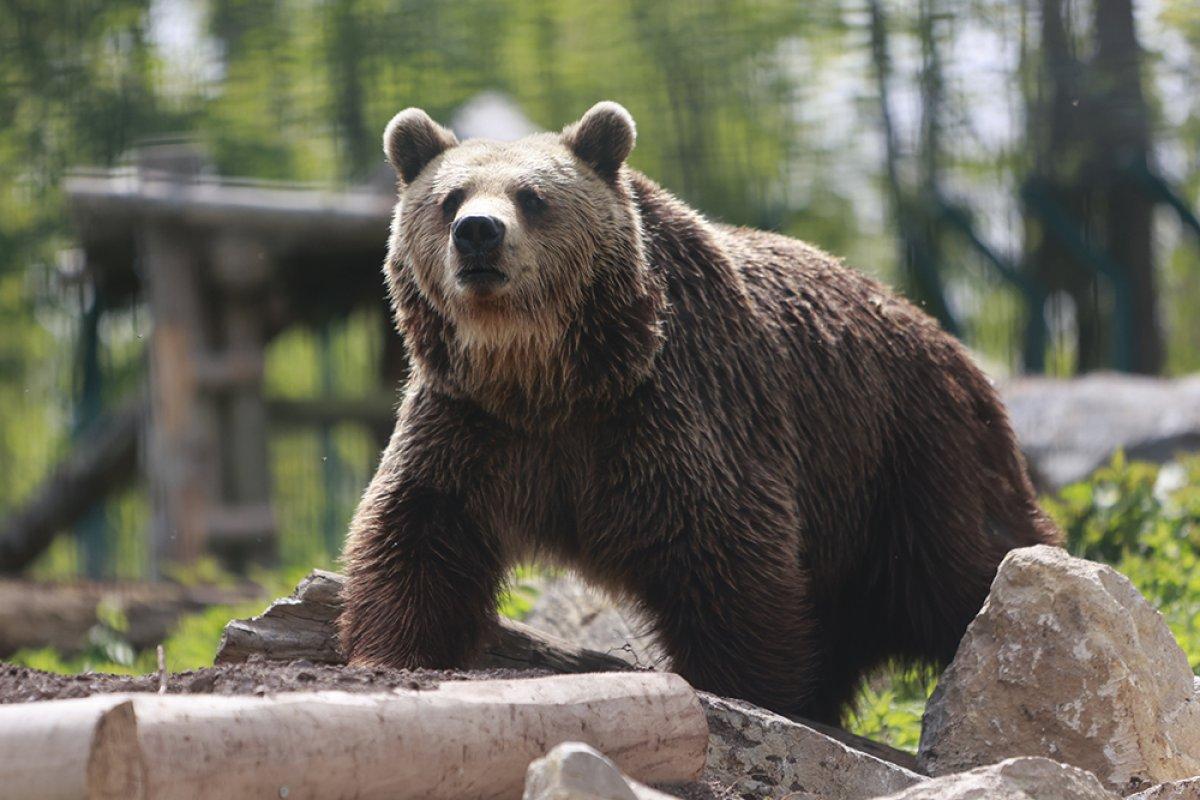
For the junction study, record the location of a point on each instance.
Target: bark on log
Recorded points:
(468, 739)
(303, 626)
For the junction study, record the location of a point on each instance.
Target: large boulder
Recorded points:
(1068, 428)
(754, 753)
(1014, 779)
(1066, 660)
(570, 609)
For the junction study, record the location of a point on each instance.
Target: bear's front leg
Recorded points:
(422, 576)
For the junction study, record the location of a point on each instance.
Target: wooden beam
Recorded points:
(37, 614)
(182, 466)
(103, 198)
(103, 460)
(241, 266)
(372, 411)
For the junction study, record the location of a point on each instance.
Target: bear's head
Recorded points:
(518, 269)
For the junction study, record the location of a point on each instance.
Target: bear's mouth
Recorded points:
(480, 275)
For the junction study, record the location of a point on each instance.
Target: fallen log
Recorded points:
(468, 739)
(302, 626)
(60, 615)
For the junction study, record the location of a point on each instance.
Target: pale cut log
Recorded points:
(44, 747)
(302, 626)
(463, 739)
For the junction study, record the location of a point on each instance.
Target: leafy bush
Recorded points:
(1145, 521)
(889, 708)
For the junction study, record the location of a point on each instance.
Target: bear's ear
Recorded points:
(412, 140)
(603, 138)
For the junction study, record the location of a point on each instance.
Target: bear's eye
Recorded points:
(530, 201)
(451, 202)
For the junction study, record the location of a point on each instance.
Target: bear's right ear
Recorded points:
(412, 139)
(603, 138)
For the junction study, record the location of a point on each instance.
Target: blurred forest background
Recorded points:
(1027, 170)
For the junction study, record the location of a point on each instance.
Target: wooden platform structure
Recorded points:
(222, 267)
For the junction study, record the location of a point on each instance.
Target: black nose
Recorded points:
(478, 235)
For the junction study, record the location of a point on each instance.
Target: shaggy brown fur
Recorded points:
(796, 474)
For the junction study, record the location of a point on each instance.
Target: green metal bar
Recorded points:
(1163, 191)
(928, 275)
(1036, 331)
(1059, 224)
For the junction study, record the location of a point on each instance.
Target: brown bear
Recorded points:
(794, 473)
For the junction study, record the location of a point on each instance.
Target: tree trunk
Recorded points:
(1124, 132)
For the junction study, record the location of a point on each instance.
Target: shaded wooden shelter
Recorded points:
(222, 267)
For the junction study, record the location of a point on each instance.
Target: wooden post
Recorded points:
(182, 468)
(244, 530)
(180, 445)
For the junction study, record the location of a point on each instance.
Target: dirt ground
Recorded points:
(24, 685)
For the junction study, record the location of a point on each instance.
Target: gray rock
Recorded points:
(1175, 790)
(759, 754)
(570, 609)
(575, 771)
(1066, 660)
(1068, 428)
(1014, 779)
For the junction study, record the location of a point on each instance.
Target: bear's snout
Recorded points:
(477, 235)
(477, 238)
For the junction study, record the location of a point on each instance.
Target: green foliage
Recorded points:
(518, 596)
(889, 708)
(1145, 521)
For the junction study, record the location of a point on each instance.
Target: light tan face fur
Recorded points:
(549, 250)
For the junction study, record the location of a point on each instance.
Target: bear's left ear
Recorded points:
(603, 138)
(412, 140)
